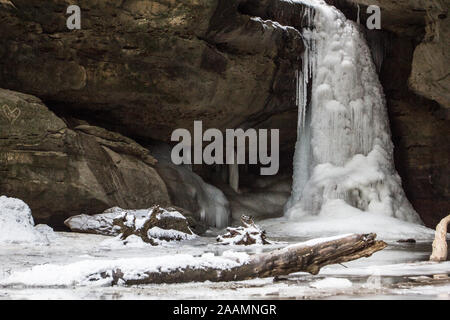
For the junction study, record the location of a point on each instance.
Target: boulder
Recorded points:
(16, 222)
(101, 223)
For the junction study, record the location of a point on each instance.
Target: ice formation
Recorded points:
(344, 150)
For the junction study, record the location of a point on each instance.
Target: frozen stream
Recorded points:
(400, 271)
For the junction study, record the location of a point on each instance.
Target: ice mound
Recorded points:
(16, 222)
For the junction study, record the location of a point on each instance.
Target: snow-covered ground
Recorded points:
(400, 271)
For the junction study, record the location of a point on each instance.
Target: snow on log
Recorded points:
(440, 241)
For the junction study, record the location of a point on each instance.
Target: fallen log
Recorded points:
(440, 241)
(308, 256)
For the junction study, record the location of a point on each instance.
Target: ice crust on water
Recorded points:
(344, 149)
(17, 224)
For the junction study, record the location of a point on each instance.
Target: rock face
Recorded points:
(145, 68)
(61, 172)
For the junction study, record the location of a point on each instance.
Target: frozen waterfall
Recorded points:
(344, 152)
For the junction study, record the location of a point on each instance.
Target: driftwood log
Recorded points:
(440, 250)
(307, 257)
